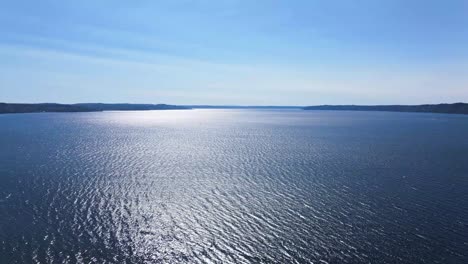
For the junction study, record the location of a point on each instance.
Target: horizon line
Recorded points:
(241, 105)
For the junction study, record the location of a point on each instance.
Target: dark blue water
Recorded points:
(233, 186)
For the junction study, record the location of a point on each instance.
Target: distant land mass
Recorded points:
(7, 108)
(129, 107)
(242, 107)
(456, 108)
(47, 107)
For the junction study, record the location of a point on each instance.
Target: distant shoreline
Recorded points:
(455, 108)
(11, 108)
(7, 108)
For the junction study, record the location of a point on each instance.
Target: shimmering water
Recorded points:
(233, 186)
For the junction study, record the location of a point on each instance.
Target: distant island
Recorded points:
(6, 108)
(456, 108)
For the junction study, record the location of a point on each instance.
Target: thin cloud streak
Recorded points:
(150, 77)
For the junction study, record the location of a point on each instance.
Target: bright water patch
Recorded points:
(233, 186)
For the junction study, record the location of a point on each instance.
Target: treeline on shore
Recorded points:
(456, 108)
(6, 108)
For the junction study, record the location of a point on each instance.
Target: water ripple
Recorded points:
(233, 187)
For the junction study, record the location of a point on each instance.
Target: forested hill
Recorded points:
(6, 108)
(32, 108)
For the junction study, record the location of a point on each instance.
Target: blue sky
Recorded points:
(234, 52)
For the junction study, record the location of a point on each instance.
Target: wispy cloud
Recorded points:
(233, 52)
(122, 75)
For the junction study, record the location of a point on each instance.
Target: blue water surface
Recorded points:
(233, 186)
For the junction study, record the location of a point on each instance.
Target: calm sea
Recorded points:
(233, 186)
